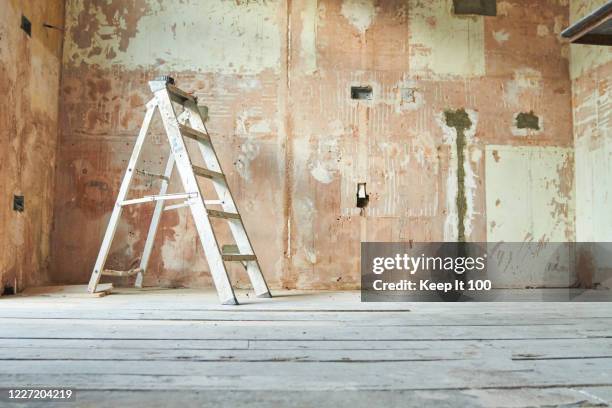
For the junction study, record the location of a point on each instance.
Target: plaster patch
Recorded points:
(324, 165)
(501, 36)
(442, 44)
(457, 196)
(248, 125)
(360, 13)
(525, 205)
(542, 30)
(221, 36)
(308, 38)
(524, 80)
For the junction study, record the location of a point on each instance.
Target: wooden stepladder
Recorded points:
(188, 124)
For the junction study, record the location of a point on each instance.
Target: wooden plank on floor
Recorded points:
(414, 375)
(242, 330)
(551, 397)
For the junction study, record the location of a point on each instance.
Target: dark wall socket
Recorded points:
(361, 92)
(18, 203)
(26, 25)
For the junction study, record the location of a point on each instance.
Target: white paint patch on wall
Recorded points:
(586, 57)
(443, 44)
(249, 125)
(522, 188)
(218, 36)
(324, 164)
(523, 197)
(501, 36)
(360, 13)
(593, 190)
(308, 38)
(525, 80)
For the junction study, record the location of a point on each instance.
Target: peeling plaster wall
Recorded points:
(29, 85)
(591, 69)
(276, 77)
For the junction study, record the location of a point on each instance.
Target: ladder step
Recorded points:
(147, 199)
(111, 272)
(178, 95)
(230, 250)
(201, 171)
(194, 134)
(154, 175)
(238, 257)
(222, 214)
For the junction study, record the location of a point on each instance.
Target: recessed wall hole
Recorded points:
(475, 7)
(8, 290)
(361, 92)
(527, 120)
(18, 203)
(26, 25)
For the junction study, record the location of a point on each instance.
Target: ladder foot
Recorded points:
(230, 302)
(264, 295)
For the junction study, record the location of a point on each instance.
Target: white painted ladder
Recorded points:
(191, 125)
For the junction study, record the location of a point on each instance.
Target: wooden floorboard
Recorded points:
(305, 349)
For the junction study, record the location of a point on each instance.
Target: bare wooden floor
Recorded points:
(179, 347)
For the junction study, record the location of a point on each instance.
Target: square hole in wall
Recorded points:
(361, 92)
(477, 7)
(18, 203)
(26, 25)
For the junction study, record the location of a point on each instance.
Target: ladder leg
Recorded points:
(159, 207)
(236, 226)
(190, 184)
(252, 267)
(213, 253)
(117, 209)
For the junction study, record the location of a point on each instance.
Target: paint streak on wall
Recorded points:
(29, 83)
(592, 114)
(443, 43)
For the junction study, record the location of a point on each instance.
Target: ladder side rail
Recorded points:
(111, 228)
(228, 204)
(157, 212)
(203, 225)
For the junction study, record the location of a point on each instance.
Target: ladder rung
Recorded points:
(111, 272)
(187, 204)
(194, 134)
(147, 199)
(222, 214)
(238, 257)
(178, 95)
(230, 250)
(176, 206)
(201, 171)
(154, 175)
